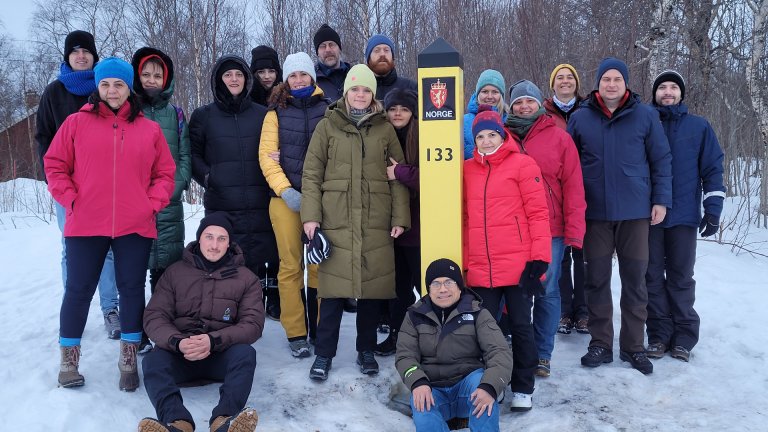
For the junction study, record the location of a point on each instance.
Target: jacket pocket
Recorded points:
(427, 340)
(638, 183)
(224, 310)
(335, 202)
(379, 205)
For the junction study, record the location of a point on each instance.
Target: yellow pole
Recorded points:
(441, 152)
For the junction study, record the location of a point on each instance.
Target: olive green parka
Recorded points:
(168, 247)
(345, 188)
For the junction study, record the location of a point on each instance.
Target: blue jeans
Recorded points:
(546, 308)
(453, 402)
(107, 286)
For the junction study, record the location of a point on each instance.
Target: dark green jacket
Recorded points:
(444, 354)
(345, 189)
(168, 247)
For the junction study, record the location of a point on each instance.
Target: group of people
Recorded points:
(311, 178)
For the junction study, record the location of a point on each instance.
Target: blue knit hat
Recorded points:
(492, 78)
(114, 67)
(524, 89)
(609, 63)
(378, 39)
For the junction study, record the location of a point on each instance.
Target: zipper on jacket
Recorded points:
(307, 135)
(114, 174)
(240, 146)
(519, 232)
(485, 227)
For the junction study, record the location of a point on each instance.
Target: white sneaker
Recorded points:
(521, 402)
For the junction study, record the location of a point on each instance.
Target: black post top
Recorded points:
(440, 54)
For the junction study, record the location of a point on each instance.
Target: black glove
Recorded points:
(530, 280)
(709, 225)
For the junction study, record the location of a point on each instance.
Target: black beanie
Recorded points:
(444, 268)
(264, 57)
(79, 39)
(220, 219)
(326, 33)
(229, 65)
(669, 75)
(401, 96)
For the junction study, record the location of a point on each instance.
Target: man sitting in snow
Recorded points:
(204, 315)
(452, 355)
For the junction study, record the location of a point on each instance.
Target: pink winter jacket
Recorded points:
(112, 176)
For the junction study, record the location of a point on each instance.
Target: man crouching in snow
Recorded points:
(452, 355)
(204, 315)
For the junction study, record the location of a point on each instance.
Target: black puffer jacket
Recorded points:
(225, 160)
(391, 81)
(56, 104)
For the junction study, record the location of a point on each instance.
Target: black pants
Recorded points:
(572, 302)
(310, 319)
(524, 353)
(331, 311)
(630, 241)
(85, 258)
(407, 275)
(671, 288)
(165, 370)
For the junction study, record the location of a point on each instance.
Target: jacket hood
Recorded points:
(469, 302)
(147, 51)
(672, 111)
(510, 145)
(220, 95)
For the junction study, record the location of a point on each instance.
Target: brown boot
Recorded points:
(129, 371)
(244, 421)
(152, 425)
(68, 373)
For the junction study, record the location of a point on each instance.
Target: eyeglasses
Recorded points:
(448, 283)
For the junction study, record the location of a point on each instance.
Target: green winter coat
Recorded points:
(168, 247)
(345, 189)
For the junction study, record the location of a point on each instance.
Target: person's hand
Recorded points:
(310, 227)
(709, 225)
(482, 401)
(195, 347)
(422, 398)
(657, 214)
(530, 279)
(396, 231)
(391, 169)
(275, 156)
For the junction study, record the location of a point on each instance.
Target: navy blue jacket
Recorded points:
(625, 159)
(697, 164)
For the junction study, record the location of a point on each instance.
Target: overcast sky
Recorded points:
(15, 18)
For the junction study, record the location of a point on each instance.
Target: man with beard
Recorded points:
(330, 70)
(380, 56)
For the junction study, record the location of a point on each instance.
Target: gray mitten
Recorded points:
(292, 199)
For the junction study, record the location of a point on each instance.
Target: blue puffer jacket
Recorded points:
(469, 117)
(625, 159)
(697, 164)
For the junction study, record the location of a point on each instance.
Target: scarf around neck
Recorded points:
(564, 106)
(80, 83)
(521, 126)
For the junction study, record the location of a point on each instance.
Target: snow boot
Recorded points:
(300, 348)
(565, 325)
(367, 363)
(638, 360)
(596, 356)
(521, 402)
(68, 373)
(129, 371)
(153, 425)
(244, 421)
(680, 353)
(388, 346)
(112, 323)
(656, 350)
(544, 368)
(320, 368)
(582, 326)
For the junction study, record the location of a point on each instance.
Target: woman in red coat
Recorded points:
(111, 170)
(507, 238)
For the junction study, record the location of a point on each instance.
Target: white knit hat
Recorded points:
(298, 62)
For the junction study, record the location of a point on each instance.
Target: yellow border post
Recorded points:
(441, 152)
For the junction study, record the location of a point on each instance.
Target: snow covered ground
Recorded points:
(724, 387)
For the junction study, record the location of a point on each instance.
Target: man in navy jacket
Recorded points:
(697, 166)
(626, 163)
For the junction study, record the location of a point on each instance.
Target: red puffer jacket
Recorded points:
(506, 222)
(112, 176)
(556, 155)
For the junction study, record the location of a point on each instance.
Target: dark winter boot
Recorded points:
(272, 305)
(129, 371)
(656, 350)
(244, 421)
(367, 363)
(152, 425)
(388, 346)
(638, 360)
(68, 373)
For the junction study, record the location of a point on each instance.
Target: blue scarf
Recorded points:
(80, 83)
(303, 93)
(564, 106)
